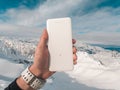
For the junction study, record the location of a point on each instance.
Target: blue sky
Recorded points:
(93, 22)
(8, 4)
(31, 4)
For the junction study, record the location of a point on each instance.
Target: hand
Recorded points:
(40, 66)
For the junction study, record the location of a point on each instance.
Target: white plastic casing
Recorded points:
(60, 44)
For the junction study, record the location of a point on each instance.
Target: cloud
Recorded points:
(100, 27)
(17, 31)
(38, 16)
(101, 20)
(95, 22)
(49, 9)
(100, 38)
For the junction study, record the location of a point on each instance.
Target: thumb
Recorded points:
(44, 38)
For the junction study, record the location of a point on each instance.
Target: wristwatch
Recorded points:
(32, 80)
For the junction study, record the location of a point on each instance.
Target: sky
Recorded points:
(93, 21)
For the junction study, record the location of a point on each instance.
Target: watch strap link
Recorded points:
(32, 80)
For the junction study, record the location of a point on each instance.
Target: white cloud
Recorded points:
(38, 16)
(100, 26)
(17, 31)
(100, 38)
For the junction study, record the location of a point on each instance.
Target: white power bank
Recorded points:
(60, 44)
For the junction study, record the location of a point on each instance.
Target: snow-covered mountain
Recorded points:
(19, 50)
(96, 68)
(104, 56)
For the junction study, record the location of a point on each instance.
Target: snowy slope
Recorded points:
(93, 73)
(97, 68)
(8, 72)
(20, 50)
(107, 58)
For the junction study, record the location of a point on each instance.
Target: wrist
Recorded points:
(40, 73)
(36, 71)
(22, 84)
(29, 81)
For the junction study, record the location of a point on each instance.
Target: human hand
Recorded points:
(40, 67)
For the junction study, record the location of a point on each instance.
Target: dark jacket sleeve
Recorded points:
(13, 86)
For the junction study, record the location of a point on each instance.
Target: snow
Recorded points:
(97, 68)
(8, 72)
(92, 73)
